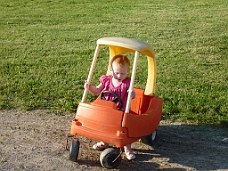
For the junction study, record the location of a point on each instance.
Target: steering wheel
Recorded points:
(116, 99)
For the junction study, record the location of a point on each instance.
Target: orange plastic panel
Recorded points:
(140, 103)
(146, 123)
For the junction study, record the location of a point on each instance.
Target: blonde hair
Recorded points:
(120, 60)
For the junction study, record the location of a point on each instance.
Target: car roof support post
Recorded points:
(91, 72)
(133, 73)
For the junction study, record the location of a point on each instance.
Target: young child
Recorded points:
(119, 83)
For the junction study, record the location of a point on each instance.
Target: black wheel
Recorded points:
(116, 99)
(74, 148)
(150, 139)
(110, 158)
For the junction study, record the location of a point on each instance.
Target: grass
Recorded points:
(46, 48)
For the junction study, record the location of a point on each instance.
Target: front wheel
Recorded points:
(150, 139)
(110, 158)
(74, 149)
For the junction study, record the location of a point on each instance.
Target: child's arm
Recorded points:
(95, 90)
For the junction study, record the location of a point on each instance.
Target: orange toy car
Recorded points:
(102, 121)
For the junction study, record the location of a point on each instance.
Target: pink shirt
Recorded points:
(121, 89)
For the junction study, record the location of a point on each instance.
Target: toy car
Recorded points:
(102, 121)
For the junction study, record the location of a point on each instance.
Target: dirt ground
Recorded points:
(36, 140)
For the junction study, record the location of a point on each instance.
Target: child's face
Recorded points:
(119, 72)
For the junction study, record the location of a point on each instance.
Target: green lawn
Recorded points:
(46, 48)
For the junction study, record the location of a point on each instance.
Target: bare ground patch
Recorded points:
(36, 140)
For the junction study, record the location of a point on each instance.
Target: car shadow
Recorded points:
(186, 147)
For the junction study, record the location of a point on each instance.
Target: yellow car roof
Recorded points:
(128, 44)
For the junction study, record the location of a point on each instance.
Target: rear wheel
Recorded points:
(150, 139)
(74, 149)
(110, 158)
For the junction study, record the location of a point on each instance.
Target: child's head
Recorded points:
(120, 66)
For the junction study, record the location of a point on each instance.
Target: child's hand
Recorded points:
(87, 85)
(132, 94)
